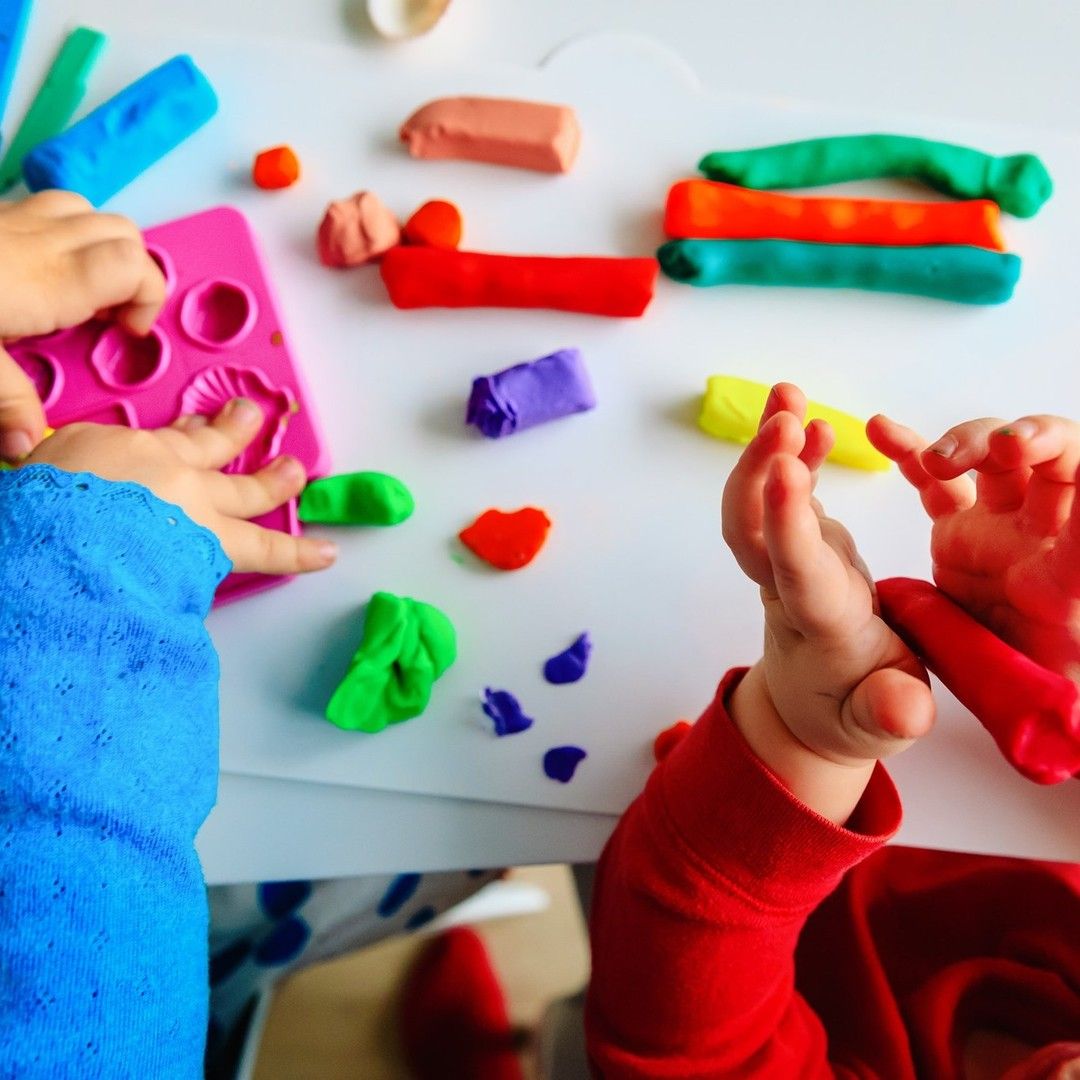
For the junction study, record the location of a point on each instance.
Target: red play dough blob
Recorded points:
(437, 223)
(278, 167)
(669, 738)
(507, 541)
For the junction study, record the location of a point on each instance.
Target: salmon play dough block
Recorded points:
(356, 230)
(501, 131)
(508, 541)
(732, 408)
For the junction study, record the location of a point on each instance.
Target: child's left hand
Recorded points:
(836, 689)
(62, 263)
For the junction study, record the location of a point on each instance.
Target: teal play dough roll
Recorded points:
(1018, 183)
(969, 275)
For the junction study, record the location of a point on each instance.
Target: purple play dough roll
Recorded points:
(532, 393)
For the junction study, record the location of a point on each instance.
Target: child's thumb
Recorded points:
(889, 709)
(22, 419)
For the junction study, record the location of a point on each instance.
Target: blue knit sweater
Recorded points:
(108, 766)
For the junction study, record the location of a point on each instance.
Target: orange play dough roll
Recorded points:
(712, 210)
(503, 131)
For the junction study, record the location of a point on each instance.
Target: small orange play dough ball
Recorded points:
(437, 224)
(278, 167)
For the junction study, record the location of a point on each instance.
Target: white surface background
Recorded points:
(982, 62)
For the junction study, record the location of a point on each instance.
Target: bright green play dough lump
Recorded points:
(407, 645)
(360, 498)
(1018, 183)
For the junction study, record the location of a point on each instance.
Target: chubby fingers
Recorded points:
(245, 497)
(116, 272)
(257, 550)
(888, 710)
(940, 496)
(211, 443)
(22, 420)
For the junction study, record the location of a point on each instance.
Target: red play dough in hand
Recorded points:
(1033, 713)
(436, 224)
(507, 541)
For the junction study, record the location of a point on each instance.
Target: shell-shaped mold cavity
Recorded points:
(163, 261)
(218, 313)
(126, 362)
(397, 19)
(42, 370)
(211, 389)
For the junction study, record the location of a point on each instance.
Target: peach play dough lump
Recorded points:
(502, 131)
(356, 230)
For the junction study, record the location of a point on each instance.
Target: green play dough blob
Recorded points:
(970, 275)
(1019, 183)
(361, 498)
(407, 645)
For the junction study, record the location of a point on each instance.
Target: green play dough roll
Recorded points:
(406, 646)
(969, 275)
(1018, 183)
(361, 498)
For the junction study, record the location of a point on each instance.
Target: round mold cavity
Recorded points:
(164, 263)
(43, 371)
(126, 362)
(218, 313)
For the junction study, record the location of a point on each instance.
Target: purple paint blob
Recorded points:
(505, 712)
(531, 393)
(560, 762)
(569, 665)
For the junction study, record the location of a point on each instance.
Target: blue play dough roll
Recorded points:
(14, 15)
(106, 150)
(969, 275)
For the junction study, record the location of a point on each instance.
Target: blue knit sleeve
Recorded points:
(108, 766)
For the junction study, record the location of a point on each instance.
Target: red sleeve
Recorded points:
(701, 894)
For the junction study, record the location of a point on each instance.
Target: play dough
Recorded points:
(1019, 183)
(968, 275)
(437, 223)
(406, 646)
(505, 712)
(708, 209)
(571, 664)
(419, 277)
(361, 498)
(356, 230)
(278, 167)
(732, 408)
(530, 393)
(525, 134)
(508, 541)
(1032, 713)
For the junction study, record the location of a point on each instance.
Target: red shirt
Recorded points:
(736, 933)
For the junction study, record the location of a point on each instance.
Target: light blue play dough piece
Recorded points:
(111, 146)
(14, 15)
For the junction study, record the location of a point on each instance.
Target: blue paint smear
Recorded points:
(420, 918)
(399, 893)
(505, 712)
(560, 762)
(228, 960)
(284, 943)
(569, 665)
(281, 898)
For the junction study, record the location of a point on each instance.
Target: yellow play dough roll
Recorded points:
(732, 408)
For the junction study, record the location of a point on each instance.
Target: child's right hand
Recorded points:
(836, 689)
(1007, 546)
(180, 464)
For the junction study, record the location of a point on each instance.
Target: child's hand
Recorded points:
(180, 465)
(60, 264)
(1006, 546)
(837, 689)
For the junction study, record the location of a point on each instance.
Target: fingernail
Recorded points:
(15, 445)
(287, 465)
(1022, 429)
(327, 551)
(243, 409)
(944, 447)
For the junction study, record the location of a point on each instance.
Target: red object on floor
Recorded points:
(418, 277)
(508, 541)
(435, 224)
(1032, 713)
(454, 1024)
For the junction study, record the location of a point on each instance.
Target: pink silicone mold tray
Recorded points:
(219, 336)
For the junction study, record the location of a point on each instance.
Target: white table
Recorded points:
(993, 62)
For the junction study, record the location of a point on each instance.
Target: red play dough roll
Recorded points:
(1032, 713)
(419, 277)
